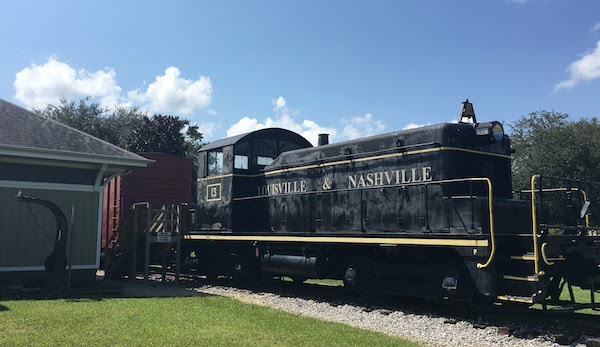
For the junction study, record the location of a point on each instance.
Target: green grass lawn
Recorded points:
(182, 321)
(581, 297)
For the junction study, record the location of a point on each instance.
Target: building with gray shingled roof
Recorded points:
(48, 160)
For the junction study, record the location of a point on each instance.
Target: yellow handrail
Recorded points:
(587, 216)
(536, 256)
(536, 252)
(491, 211)
(565, 189)
(544, 257)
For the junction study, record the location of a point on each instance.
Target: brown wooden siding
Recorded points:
(166, 181)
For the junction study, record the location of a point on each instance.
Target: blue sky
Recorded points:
(350, 68)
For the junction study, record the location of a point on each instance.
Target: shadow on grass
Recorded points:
(101, 290)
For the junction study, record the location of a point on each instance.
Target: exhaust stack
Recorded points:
(323, 139)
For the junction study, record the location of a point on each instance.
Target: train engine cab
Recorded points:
(231, 169)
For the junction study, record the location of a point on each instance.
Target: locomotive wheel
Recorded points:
(357, 279)
(265, 277)
(351, 278)
(556, 286)
(298, 280)
(211, 275)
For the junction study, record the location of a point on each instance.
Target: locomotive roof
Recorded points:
(426, 135)
(270, 133)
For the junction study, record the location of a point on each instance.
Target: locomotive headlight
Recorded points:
(490, 130)
(497, 132)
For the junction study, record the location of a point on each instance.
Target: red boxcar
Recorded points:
(166, 181)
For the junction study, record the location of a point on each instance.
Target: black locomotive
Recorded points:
(427, 212)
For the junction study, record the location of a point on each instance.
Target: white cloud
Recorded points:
(245, 125)
(362, 126)
(416, 125)
(585, 69)
(171, 93)
(307, 128)
(279, 104)
(39, 85)
(596, 27)
(207, 129)
(413, 126)
(311, 131)
(523, 2)
(354, 128)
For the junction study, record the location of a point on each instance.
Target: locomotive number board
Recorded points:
(213, 192)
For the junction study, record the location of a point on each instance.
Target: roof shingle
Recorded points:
(26, 130)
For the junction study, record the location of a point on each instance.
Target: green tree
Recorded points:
(165, 134)
(128, 127)
(194, 140)
(120, 124)
(81, 116)
(111, 126)
(551, 144)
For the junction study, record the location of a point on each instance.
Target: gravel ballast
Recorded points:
(428, 329)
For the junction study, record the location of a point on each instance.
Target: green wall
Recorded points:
(25, 246)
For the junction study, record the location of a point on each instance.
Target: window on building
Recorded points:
(263, 160)
(241, 162)
(215, 163)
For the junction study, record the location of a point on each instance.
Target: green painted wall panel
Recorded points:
(28, 231)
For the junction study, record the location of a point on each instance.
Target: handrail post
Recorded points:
(536, 259)
(147, 243)
(472, 207)
(426, 209)
(492, 232)
(587, 215)
(178, 245)
(134, 235)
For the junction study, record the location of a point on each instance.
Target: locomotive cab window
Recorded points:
(241, 162)
(215, 163)
(264, 161)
